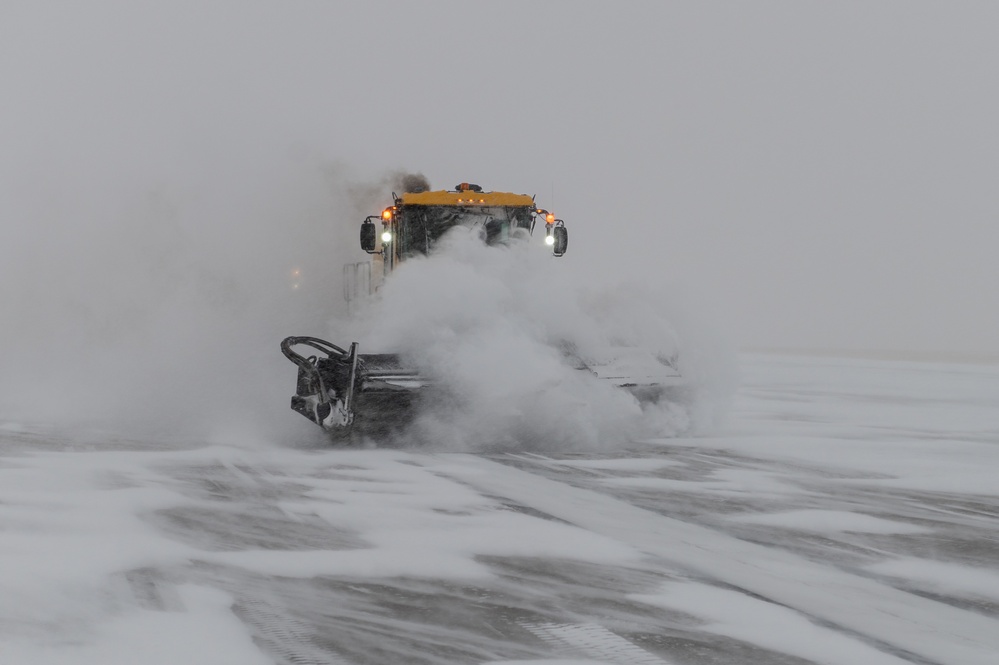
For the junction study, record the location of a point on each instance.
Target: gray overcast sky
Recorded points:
(819, 175)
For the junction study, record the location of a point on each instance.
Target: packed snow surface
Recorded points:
(847, 513)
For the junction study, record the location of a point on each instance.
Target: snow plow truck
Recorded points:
(351, 393)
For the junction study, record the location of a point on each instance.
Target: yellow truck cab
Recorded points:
(419, 219)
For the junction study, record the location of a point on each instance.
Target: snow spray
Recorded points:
(490, 325)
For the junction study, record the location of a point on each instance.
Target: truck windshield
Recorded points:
(421, 226)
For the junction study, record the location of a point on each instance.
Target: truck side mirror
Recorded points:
(368, 233)
(561, 235)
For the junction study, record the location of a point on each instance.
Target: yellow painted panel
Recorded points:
(446, 198)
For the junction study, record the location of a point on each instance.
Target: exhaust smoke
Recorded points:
(412, 183)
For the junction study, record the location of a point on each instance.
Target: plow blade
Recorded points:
(352, 394)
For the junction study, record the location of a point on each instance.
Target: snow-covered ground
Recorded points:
(848, 513)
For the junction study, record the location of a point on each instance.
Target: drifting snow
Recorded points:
(943, 577)
(118, 550)
(621, 464)
(831, 521)
(768, 625)
(725, 482)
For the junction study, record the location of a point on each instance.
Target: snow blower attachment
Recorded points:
(347, 392)
(343, 391)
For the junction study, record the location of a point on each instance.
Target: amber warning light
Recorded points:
(387, 214)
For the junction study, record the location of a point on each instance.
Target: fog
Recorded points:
(806, 176)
